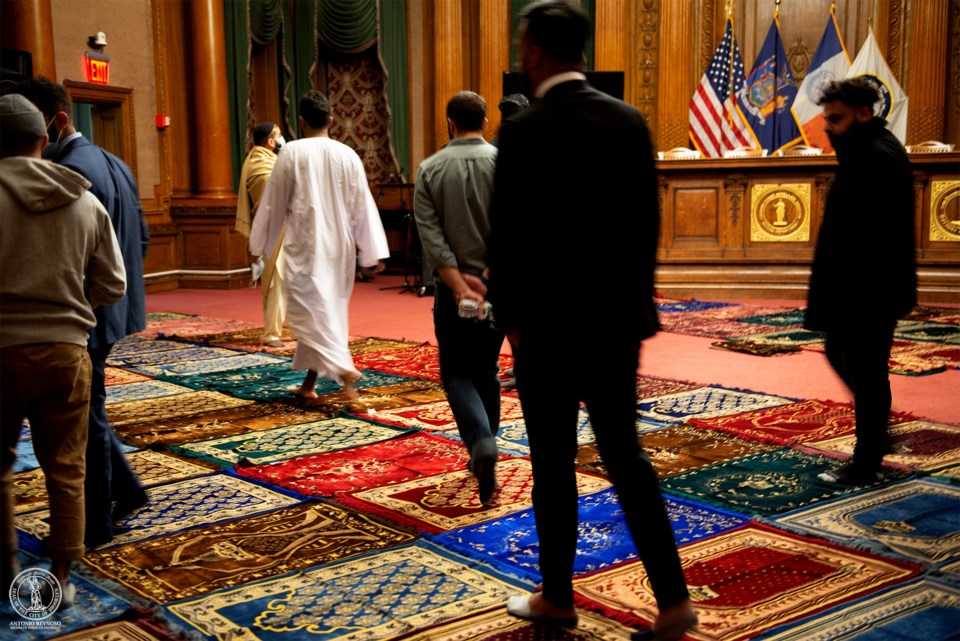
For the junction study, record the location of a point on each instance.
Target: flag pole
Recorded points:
(730, 92)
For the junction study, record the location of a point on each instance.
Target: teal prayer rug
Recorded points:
(745, 581)
(359, 468)
(511, 543)
(225, 363)
(176, 506)
(785, 318)
(282, 443)
(143, 390)
(446, 501)
(767, 483)
(378, 595)
(928, 332)
(917, 445)
(786, 338)
(673, 409)
(918, 519)
(921, 610)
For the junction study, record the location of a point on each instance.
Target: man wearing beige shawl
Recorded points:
(253, 181)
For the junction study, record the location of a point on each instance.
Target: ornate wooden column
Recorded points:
(612, 35)
(928, 63)
(210, 110)
(494, 57)
(675, 72)
(27, 25)
(448, 62)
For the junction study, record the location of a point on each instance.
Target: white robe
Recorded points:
(318, 191)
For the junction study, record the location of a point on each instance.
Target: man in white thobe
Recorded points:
(318, 194)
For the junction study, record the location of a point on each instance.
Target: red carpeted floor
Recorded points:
(401, 314)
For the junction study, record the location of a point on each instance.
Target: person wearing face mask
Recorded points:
(112, 490)
(257, 168)
(864, 270)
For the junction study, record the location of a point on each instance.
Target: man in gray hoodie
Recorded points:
(59, 258)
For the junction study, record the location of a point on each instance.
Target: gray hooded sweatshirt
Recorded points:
(59, 256)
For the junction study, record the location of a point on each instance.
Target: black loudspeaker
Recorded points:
(609, 82)
(15, 66)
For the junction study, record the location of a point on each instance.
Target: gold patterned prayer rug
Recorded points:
(767, 483)
(152, 468)
(438, 416)
(446, 501)
(918, 519)
(366, 345)
(191, 326)
(193, 562)
(416, 390)
(177, 506)
(652, 386)
(118, 376)
(238, 360)
(917, 445)
(378, 595)
(282, 443)
(928, 331)
(166, 407)
(746, 581)
(679, 449)
(916, 358)
(799, 422)
(795, 337)
(235, 420)
(132, 346)
(359, 468)
(115, 631)
(746, 346)
(495, 624)
(703, 402)
(921, 609)
(143, 390)
(245, 340)
(934, 313)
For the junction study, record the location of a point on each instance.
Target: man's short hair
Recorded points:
(262, 131)
(50, 97)
(315, 109)
(513, 104)
(853, 92)
(558, 27)
(467, 110)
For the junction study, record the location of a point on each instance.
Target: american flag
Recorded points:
(715, 124)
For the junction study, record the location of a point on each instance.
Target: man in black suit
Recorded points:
(575, 218)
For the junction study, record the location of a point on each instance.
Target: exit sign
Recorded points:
(96, 65)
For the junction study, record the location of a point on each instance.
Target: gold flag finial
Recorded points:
(776, 11)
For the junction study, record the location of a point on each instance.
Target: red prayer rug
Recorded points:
(192, 326)
(422, 361)
(385, 463)
(445, 501)
(438, 415)
(799, 422)
(746, 581)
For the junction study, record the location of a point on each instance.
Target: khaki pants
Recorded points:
(274, 299)
(48, 383)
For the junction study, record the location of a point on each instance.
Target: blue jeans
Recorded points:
(469, 350)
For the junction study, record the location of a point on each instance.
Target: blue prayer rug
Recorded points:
(512, 545)
(239, 360)
(512, 435)
(373, 596)
(143, 390)
(703, 402)
(679, 306)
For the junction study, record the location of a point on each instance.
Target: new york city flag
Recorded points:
(766, 100)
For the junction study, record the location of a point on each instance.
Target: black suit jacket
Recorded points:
(575, 217)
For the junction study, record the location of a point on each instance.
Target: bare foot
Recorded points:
(349, 391)
(674, 621)
(308, 394)
(539, 605)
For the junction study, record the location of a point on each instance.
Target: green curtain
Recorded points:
(238, 54)
(347, 26)
(266, 18)
(393, 50)
(517, 7)
(300, 45)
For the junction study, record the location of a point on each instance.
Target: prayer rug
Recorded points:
(917, 358)
(365, 345)
(934, 313)
(359, 468)
(117, 376)
(414, 390)
(918, 445)
(918, 519)
(495, 624)
(783, 318)
(138, 362)
(651, 386)
(800, 422)
(949, 472)
(156, 316)
(679, 449)
(787, 338)
(746, 346)
(722, 322)
(115, 631)
(192, 326)
(747, 580)
(245, 340)
(132, 346)
(921, 609)
(438, 415)
(143, 390)
(165, 407)
(928, 331)
(512, 545)
(152, 468)
(236, 420)
(512, 435)
(177, 506)
(378, 595)
(366, 403)
(422, 361)
(767, 483)
(672, 409)
(187, 564)
(237, 361)
(667, 306)
(93, 605)
(282, 443)
(446, 501)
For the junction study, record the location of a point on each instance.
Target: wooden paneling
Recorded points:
(928, 60)
(675, 82)
(448, 64)
(493, 57)
(695, 214)
(27, 25)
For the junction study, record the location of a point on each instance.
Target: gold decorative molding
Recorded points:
(780, 212)
(945, 210)
(734, 189)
